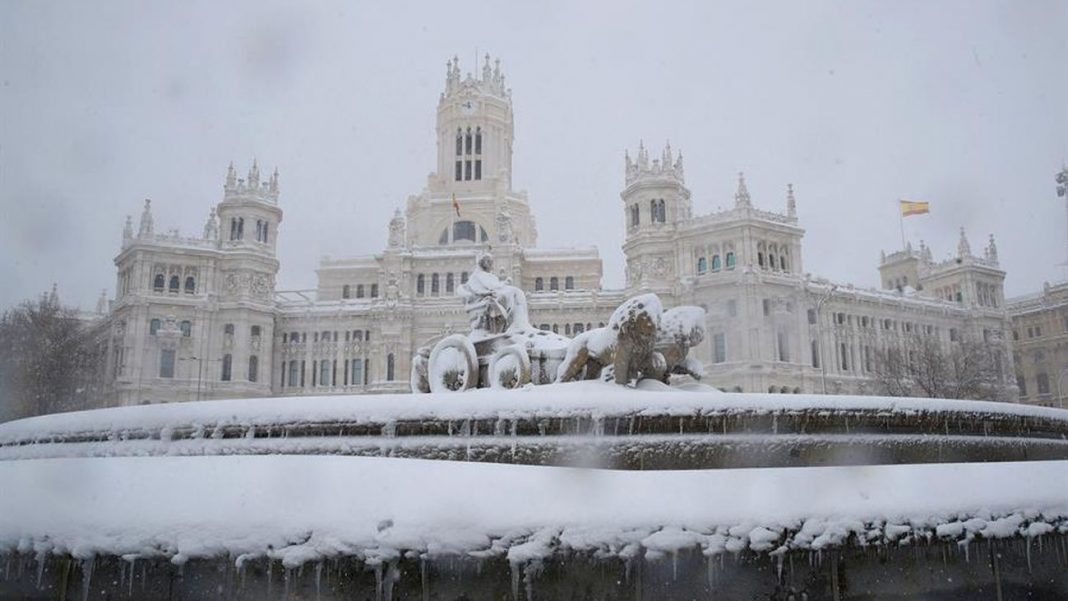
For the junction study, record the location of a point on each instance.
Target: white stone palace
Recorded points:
(199, 318)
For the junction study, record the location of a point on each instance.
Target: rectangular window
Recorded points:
(303, 367)
(783, 346)
(478, 169)
(253, 368)
(294, 373)
(815, 354)
(166, 363)
(333, 373)
(357, 372)
(719, 348)
(324, 373)
(366, 371)
(1043, 383)
(767, 307)
(467, 169)
(459, 170)
(844, 353)
(811, 316)
(1021, 383)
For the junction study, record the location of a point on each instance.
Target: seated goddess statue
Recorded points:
(494, 307)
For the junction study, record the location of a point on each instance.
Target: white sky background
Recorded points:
(103, 104)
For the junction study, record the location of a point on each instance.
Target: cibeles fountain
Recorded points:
(527, 465)
(502, 350)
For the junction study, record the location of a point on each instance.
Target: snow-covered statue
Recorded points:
(627, 344)
(396, 230)
(493, 306)
(681, 329)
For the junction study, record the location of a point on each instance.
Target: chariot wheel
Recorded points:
(509, 367)
(453, 365)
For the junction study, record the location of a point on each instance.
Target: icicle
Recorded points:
(1027, 544)
(515, 579)
(270, 577)
(41, 557)
(779, 567)
(87, 577)
(318, 580)
(378, 581)
(675, 566)
(285, 581)
(423, 578)
(392, 575)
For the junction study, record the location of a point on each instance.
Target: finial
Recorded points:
(963, 248)
(791, 203)
(53, 298)
(992, 250)
(146, 227)
(741, 197)
(127, 230)
(102, 302)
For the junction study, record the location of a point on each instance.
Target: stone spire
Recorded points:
(791, 203)
(666, 157)
(231, 177)
(102, 302)
(963, 248)
(127, 230)
(211, 227)
(254, 176)
(992, 251)
(146, 228)
(741, 197)
(487, 73)
(274, 181)
(53, 297)
(678, 167)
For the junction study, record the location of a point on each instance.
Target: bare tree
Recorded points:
(50, 359)
(924, 367)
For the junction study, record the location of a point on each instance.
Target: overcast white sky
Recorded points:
(103, 104)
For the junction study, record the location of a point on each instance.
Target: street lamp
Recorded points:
(819, 332)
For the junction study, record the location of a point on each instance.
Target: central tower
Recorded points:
(475, 129)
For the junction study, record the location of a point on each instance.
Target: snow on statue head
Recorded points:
(681, 329)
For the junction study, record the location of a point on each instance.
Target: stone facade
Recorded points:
(1040, 344)
(224, 331)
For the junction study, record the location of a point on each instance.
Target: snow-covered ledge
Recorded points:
(301, 509)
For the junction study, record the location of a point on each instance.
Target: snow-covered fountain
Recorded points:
(501, 492)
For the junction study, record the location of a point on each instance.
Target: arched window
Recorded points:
(153, 327)
(467, 142)
(459, 142)
(715, 263)
(389, 367)
(359, 290)
(190, 285)
(539, 284)
(345, 291)
(782, 262)
(450, 285)
(635, 216)
(463, 230)
(771, 260)
(159, 282)
(554, 283)
(478, 140)
(435, 284)
(174, 284)
(569, 283)
(259, 230)
(253, 368)
(266, 229)
(463, 277)
(420, 284)
(227, 367)
(374, 290)
(240, 228)
(233, 228)
(730, 260)
(760, 259)
(702, 265)
(187, 329)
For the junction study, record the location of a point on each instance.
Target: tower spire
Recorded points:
(963, 248)
(791, 203)
(741, 197)
(231, 177)
(146, 228)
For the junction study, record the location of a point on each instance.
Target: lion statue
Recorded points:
(681, 329)
(627, 344)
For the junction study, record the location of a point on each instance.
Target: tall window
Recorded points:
(174, 284)
(345, 291)
(227, 367)
(715, 263)
(255, 331)
(815, 354)
(554, 283)
(153, 327)
(435, 284)
(158, 282)
(190, 285)
(844, 352)
(730, 260)
(783, 346)
(253, 368)
(702, 265)
(359, 290)
(324, 373)
(228, 329)
(187, 329)
(1021, 383)
(450, 286)
(719, 347)
(635, 216)
(357, 372)
(166, 363)
(569, 283)
(294, 373)
(374, 290)
(389, 367)
(1042, 383)
(463, 277)
(420, 285)
(539, 284)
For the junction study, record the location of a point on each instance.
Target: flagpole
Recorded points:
(901, 219)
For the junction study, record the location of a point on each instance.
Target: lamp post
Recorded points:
(819, 332)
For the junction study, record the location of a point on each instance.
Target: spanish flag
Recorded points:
(456, 205)
(914, 207)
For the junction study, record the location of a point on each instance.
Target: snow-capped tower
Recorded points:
(655, 201)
